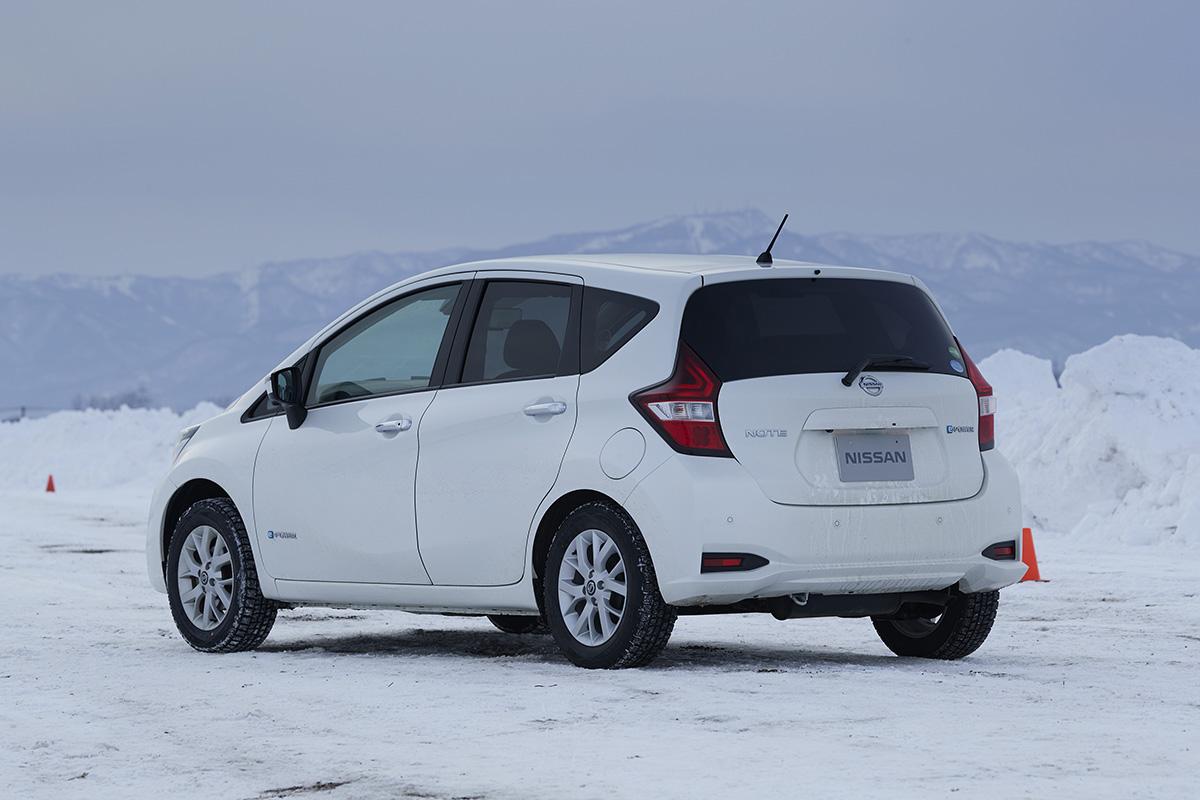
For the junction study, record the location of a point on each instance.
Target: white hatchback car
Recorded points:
(597, 444)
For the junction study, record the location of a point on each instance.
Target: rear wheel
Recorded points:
(600, 591)
(957, 632)
(512, 623)
(212, 583)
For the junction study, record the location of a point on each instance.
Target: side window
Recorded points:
(520, 332)
(262, 408)
(392, 349)
(610, 320)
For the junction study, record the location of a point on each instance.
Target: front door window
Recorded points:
(391, 350)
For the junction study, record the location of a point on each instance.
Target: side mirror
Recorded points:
(286, 390)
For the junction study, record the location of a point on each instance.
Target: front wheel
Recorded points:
(957, 632)
(212, 583)
(600, 591)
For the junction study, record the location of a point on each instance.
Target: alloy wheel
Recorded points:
(205, 576)
(592, 587)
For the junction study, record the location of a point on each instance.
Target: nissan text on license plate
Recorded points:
(873, 457)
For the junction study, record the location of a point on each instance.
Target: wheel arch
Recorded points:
(190, 492)
(551, 519)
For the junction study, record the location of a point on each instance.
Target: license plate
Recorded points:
(873, 457)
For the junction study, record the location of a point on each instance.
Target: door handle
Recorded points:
(394, 425)
(550, 409)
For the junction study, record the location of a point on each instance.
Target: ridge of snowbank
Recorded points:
(93, 449)
(1112, 451)
(1109, 452)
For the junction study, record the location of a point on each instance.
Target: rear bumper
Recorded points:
(692, 505)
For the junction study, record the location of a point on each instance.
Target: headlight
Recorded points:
(185, 436)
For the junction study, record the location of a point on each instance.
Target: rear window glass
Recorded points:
(790, 326)
(610, 319)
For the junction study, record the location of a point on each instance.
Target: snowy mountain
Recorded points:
(187, 339)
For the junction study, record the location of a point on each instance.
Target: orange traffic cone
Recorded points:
(1029, 556)
(50, 484)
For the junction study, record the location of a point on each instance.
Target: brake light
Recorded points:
(683, 409)
(987, 402)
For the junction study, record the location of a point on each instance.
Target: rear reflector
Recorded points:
(730, 562)
(1001, 551)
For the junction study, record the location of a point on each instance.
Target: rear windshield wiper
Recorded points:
(878, 361)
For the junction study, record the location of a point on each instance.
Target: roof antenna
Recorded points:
(764, 258)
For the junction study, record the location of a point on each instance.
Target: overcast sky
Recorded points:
(192, 138)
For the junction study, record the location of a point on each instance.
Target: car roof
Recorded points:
(665, 264)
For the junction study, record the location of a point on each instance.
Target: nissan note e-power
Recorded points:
(590, 446)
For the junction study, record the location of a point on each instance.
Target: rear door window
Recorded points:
(520, 333)
(791, 326)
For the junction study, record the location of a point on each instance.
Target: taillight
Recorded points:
(683, 409)
(987, 402)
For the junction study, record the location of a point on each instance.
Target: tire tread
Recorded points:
(964, 626)
(656, 619)
(978, 616)
(255, 613)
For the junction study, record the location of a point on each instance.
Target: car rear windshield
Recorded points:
(790, 326)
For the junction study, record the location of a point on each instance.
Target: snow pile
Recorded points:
(1110, 452)
(93, 449)
(1114, 454)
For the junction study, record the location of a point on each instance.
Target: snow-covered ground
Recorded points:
(1087, 686)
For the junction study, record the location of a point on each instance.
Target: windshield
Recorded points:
(792, 326)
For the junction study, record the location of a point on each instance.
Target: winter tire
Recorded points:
(958, 632)
(512, 623)
(212, 583)
(600, 592)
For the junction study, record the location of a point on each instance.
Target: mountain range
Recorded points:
(69, 340)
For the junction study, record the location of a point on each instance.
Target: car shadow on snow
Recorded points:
(541, 648)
